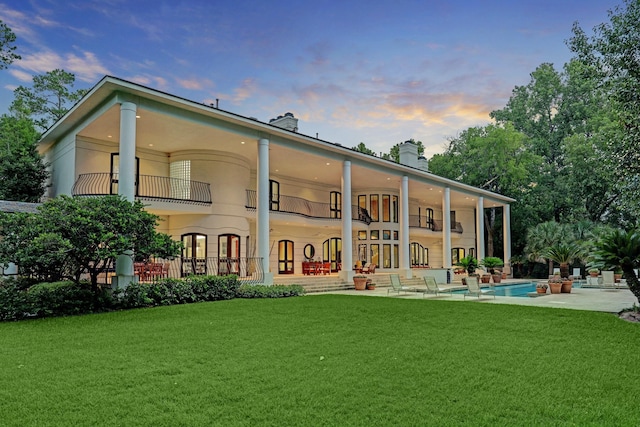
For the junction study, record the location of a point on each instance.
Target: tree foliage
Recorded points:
(68, 237)
(23, 171)
(394, 153)
(362, 148)
(7, 46)
(49, 98)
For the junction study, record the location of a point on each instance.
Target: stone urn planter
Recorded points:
(542, 288)
(371, 286)
(566, 286)
(496, 277)
(486, 278)
(360, 282)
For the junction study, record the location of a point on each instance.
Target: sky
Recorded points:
(373, 71)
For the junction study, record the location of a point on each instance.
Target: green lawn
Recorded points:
(322, 360)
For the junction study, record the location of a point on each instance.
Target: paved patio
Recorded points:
(612, 301)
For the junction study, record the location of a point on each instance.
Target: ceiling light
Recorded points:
(241, 142)
(137, 117)
(150, 145)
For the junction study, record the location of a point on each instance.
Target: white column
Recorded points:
(262, 214)
(126, 183)
(506, 232)
(405, 269)
(347, 225)
(127, 155)
(446, 228)
(480, 228)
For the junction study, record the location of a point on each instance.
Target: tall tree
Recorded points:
(7, 47)
(23, 171)
(394, 153)
(493, 158)
(49, 98)
(364, 149)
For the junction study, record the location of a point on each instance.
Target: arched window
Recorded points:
(332, 252)
(228, 254)
(194, 254)
(419, 255)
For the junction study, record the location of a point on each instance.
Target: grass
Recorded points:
(322, 360)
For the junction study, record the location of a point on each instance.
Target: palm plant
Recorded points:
(563, 253)
(469, 263)
(491, 262)
(620, 249)
(541, 237)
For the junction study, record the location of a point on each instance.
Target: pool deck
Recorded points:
(591, 299)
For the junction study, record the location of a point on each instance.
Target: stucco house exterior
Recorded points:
(260, 199)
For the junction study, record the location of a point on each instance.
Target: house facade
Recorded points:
(260, 199)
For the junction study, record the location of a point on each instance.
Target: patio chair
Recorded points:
(397, 286)
(432, 287)
(369, 268)
(475, 289)
(576, 274)
(608, 280)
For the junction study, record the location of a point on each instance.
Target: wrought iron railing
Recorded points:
(418, 221)
(303, 207)
(248, 270)
(147, 187)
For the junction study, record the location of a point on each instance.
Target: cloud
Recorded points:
(246, 90)
(86, 67)
(20, 75)
(194, 83)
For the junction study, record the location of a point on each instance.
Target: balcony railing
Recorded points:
(303, 207)
(417, 221)
(148, 187)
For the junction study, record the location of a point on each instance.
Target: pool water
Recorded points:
(515, 290)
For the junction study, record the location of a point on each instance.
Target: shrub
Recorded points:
(60, 298)
(275, 291)
(14, 304)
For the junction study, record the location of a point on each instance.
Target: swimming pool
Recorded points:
(514, 289)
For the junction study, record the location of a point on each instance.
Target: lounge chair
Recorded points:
(576, 274)
(609, 280)
(397, 286)
(432, 287)
(369, 268)
(475, 289)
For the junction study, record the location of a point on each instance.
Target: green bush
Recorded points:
(60, 298)
(14, 303)
(275, 291)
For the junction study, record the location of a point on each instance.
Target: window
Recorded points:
(472, 252)
(274, 195)
(386, 234)
(115, 170)
(180, 173)
(396, 256)
(362, 202)
(453, 220)
(386, 256)
(285, 257)
(395, 234)
(335, 204)
(386, 208)
(332, 252)
(429, 218)
(375, 255)
(228, 254)
(419, 255)
(194, 254)
(394, 209)
(375, 234)
(374, 211)
(362, 235)
(456, 255)
(362, 253)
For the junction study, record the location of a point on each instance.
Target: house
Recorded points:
(261, 199)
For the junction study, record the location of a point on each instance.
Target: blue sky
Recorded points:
(378, 72)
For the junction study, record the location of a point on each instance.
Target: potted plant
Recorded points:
(566, 285)
(563, 253)
(360, 282)
(491, 262)
(370, 285)
(469, 263)
(617, 274)
(555, 284)
(593, 272)
(541, 288)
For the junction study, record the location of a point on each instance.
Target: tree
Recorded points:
(363, 149)
(620, 249)
(469, 263)
(49, 99)
(494, 158)
(7, 47)
(544, 236)
(68, 237)
(23, 171)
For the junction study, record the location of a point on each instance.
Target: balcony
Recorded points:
(148, 187)
(416, 221)
(307, 208)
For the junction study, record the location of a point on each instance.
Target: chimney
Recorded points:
(288, 122)
(423, 163)
(409, 154)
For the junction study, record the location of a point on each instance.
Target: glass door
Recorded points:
(285, 257)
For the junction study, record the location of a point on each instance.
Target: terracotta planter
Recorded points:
(371, 286)
(497, 278)
(541, 290)
(504, 275)
(617, 277)
(555, 288)
(486, 278)
(566, 286)
(360, 283)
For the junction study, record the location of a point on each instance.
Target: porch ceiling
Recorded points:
(162, 132)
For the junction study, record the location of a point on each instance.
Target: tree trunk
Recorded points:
(633, 282)
(550, 268)
(489, 224)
